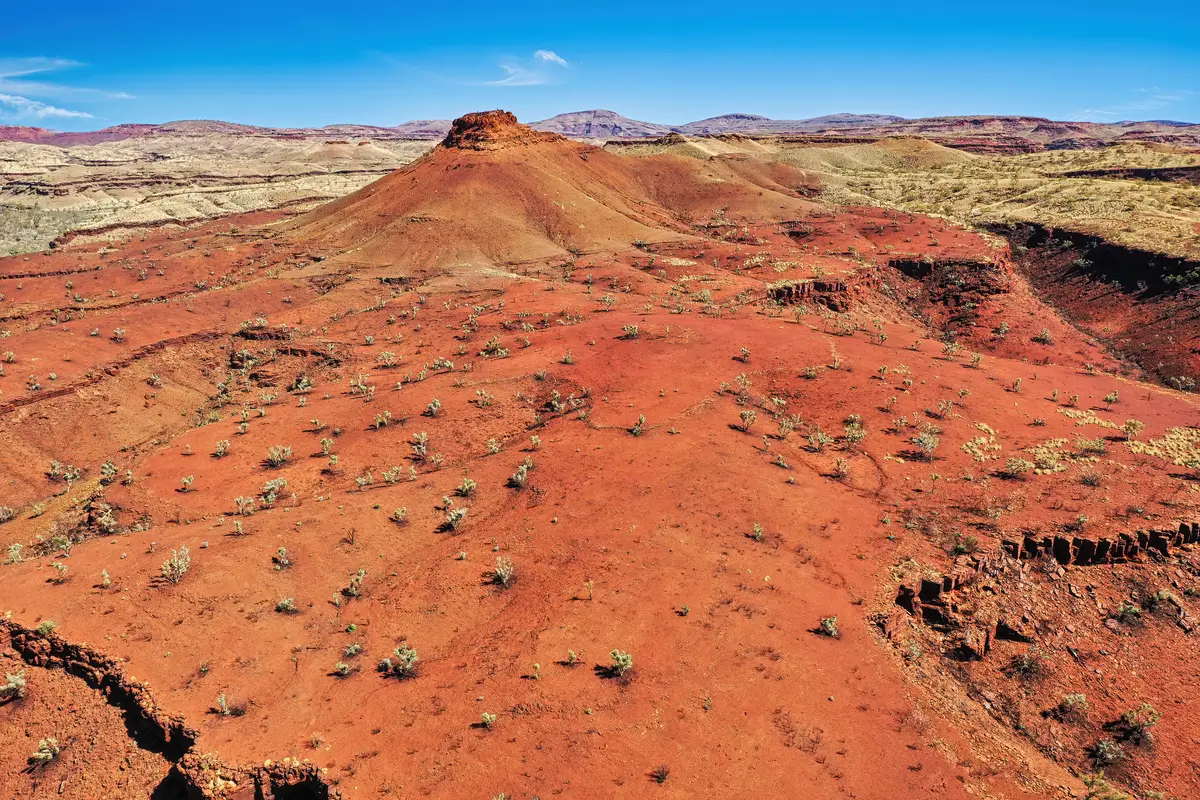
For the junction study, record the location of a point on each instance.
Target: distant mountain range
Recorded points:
(602, 124)
(981, 133)
(416, 129)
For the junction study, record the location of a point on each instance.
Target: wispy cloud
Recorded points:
(552, 57)
(14, 107)
(14, 67)
(17, 91)
(545, 67)
(519, 76)
(1146, 100)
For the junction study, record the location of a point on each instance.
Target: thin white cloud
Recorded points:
(545, 67)
(58, 91)
(519, 76)
(15, 108)
(15, 71)
(552, 57)
(1157, 99)
(15, 67)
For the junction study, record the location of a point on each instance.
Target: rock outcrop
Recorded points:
(492, 130)
(944, 606)
(151, 728)
(1105, 550)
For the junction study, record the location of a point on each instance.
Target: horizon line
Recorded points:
(764, 119)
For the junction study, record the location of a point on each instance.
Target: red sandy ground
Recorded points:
(640, 543)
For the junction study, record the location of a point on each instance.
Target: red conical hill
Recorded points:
(496, 191)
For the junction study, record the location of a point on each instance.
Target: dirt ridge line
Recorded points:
(13, 276)
(109, 369)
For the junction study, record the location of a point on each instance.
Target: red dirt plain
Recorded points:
(659, 517)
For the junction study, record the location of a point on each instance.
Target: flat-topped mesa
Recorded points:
(492, 130)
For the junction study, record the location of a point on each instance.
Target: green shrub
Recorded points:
(175, 567)
(14, 686)
(504, 573)
(1136, 723)
(622, 662)
(401, 664)
(1106, 752)
(278, 455)
(48, 750)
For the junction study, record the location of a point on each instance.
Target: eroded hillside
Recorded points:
(1100, 233)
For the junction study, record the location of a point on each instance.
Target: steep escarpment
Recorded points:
(149, 730)
(1185, 175)
(1145, 306)
(981, 301)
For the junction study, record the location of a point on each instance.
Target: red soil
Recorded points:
(644, 543)
(1131, 300)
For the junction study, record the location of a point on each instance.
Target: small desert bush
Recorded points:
(818, 439)
(964, 545)
(1017, 468)
(1071, 707)
(1106, 752)
(14, 686)
(926, 442)
(519, 478)
(278, 455)
(354, 588)
(454, 518)
(1135, 724)
(175, 567)
(855, 433)
(48, 750)
(622, 662)
(1128, 613)
(1100, 789)
(1026, 666)
(402, 663)
(225, 709)
(505, 572)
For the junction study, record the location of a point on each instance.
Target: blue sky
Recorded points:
(81, 65)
